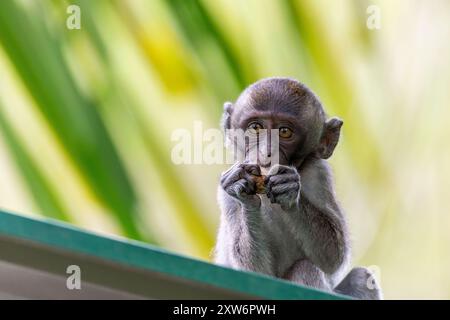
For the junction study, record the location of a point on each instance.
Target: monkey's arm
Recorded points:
(242, 242)
(307, 198)
(324, 237)
(323, 228)
(242, 239)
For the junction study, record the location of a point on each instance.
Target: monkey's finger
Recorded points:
(230, 169)
(270, 195)
(246, 171)
(291, 188)
(234, 190)
(280, 169)
(282, 178)
(249, 186)
(231, 177)
(252, 169)
(228, 180)
(241, 188)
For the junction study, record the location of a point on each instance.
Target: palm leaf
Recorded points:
(42, 192)
(74, 119)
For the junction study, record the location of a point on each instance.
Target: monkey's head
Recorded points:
(293, 111)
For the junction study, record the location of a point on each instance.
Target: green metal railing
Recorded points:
(44, 239)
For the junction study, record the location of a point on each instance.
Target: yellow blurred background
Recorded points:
(86, 117)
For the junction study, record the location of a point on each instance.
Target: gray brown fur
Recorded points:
(296, 231)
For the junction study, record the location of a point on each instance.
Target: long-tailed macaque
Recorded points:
(292, 227)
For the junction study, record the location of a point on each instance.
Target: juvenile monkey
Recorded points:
(283, 219)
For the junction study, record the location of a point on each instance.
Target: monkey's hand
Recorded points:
(238, 182)
(283, 187)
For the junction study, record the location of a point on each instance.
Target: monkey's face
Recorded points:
(283, 121)
(271, 137)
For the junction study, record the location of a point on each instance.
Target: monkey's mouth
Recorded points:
(265, 164)
(261, 160)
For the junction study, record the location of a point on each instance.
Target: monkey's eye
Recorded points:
(285, 132)
(254, 127)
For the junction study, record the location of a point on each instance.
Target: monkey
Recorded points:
(293, 228)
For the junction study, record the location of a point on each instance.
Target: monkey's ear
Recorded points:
(226, 116)
(330, 137)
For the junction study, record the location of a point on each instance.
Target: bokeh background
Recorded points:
(86, 117)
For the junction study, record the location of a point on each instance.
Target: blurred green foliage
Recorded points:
(86, 116)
